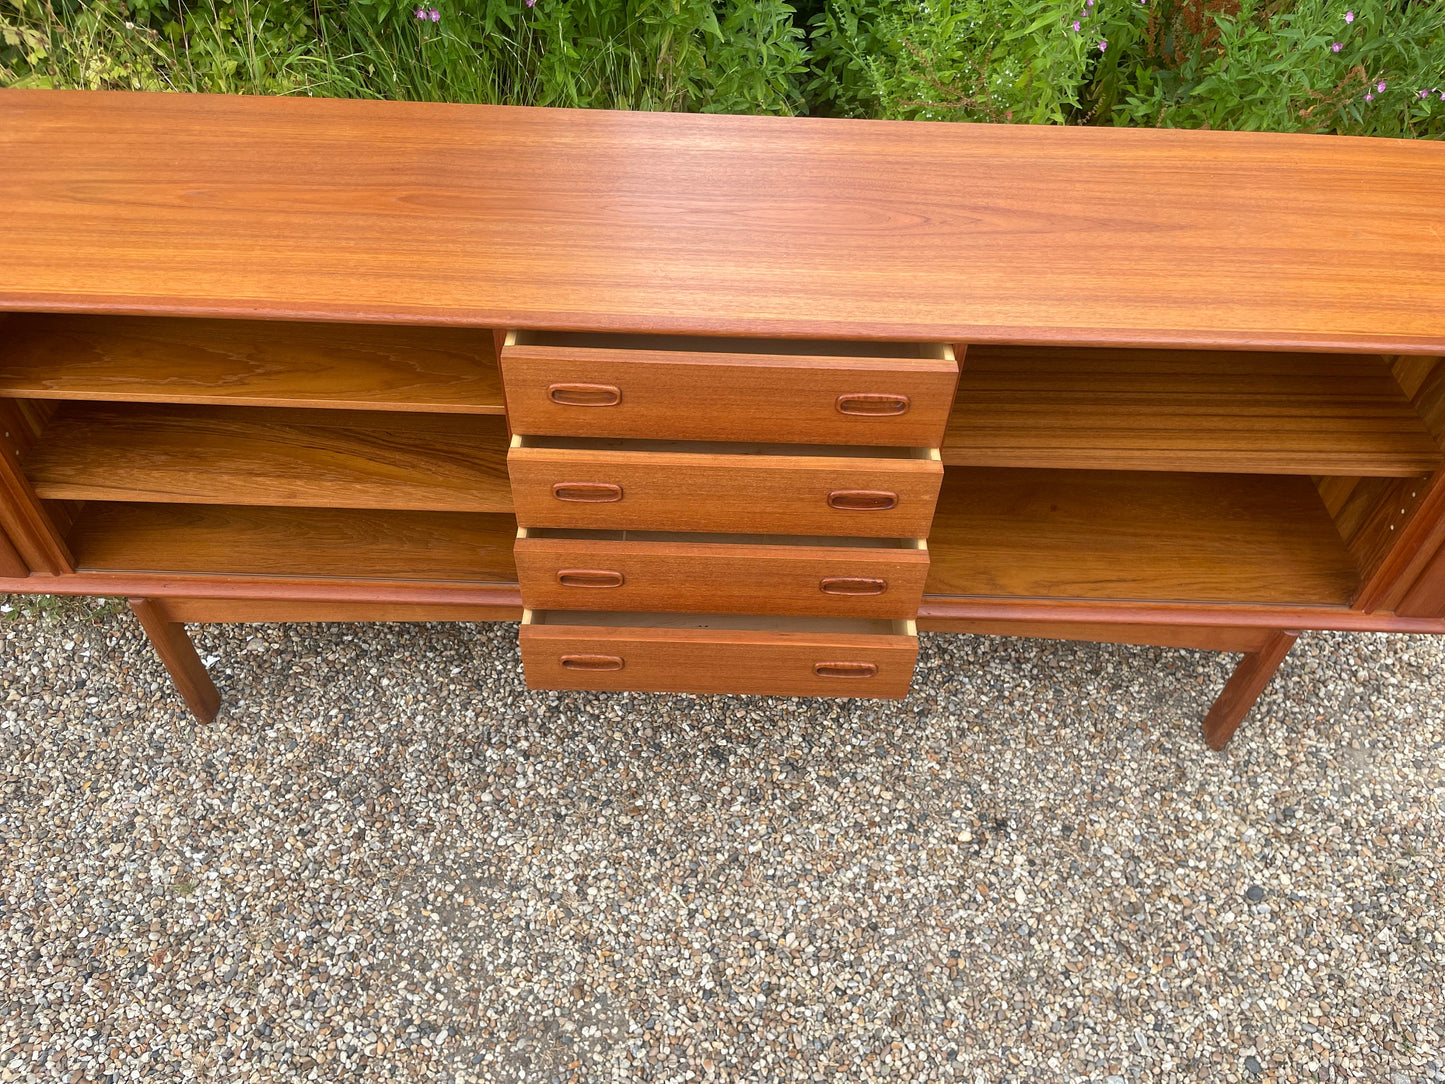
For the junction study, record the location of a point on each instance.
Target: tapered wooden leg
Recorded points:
(179, 656)
(1243, 688)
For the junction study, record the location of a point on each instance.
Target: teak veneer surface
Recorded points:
(712, 577)
(260, 455)
(1188, 410)
(1136, 535)
(718, 491)
(506, 217)
(714, 395)
(256, 363)
(260, 541)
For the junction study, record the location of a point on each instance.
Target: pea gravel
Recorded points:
(388, 861)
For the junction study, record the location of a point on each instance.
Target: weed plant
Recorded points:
(1364, 67)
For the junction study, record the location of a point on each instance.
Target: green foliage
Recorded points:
(1252, 64)
(996, 60)
(1357, 67)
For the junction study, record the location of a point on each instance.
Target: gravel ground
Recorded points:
(388, 861)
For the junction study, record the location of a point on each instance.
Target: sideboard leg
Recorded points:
(179, 656)
(1243, 688)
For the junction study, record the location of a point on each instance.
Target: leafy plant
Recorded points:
(1358, 67)
(998, 60)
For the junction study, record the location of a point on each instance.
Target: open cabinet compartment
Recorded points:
(1272, 478)
(387, 460)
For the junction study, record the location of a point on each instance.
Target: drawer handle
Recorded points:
(585, 394)
(862, 500)
(873, 406)
(591, 662)
(588, 577)
(587, 492)
(845, 669)
(852, 585)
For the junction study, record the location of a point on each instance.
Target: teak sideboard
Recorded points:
(719, 404)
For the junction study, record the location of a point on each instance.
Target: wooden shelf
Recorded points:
(252, 363)
(1185, 410)
(258, 455)
(343, 543)
(1134, 535)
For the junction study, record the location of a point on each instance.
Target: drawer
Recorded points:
(746, 489)
(718, 653)
(736, 574)
(728, 389)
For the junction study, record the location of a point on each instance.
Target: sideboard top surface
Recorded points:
(294, 208)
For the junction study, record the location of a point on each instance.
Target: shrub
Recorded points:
(1360, 67)
(996, 60)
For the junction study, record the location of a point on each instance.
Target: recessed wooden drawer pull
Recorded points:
(592, 662)
(862, 500)
(587, 492)
(845, 669)
(852, 585)
(584, 394)
(588, 577)
(873, 405)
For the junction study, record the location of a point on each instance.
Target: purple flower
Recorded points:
(1442, 95)
(421, 13)
(531, 3)
(1336, 47)
(1103, 45)
(1088, 3)
(1380, 86)
(1349, 16)
(436, 16)
(1076, 25)
(1369, 97)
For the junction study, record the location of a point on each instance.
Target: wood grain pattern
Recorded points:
(1181, 614)
(1186, 410)
(262, 610)
(318, 542)
(1136, 535)
(255, 363)
(716, 660)
(24, 518)
(728, 396)
(491, 216)
(1425, 597)
(1197, 638)
(10, 562)
(179, 656)
(709, 491)
(1249, 679)
(258, 455)
(703, 577)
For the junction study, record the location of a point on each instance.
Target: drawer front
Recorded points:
(692, 577)
(757, 494)
(722, 661)
(563, 391)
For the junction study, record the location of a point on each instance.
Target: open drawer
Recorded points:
(718, 653)
(715, 573)
(689, 388)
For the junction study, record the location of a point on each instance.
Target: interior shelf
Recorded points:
(1136, 535)
(1185, 410)
(258, 455)
(253, 363)
(349, 543)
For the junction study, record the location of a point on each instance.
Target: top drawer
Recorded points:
(684, 388)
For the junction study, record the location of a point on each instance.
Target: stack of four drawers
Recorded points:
(723, 515)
